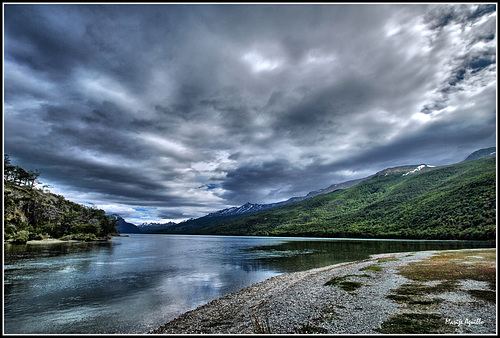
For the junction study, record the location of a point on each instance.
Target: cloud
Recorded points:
(174, 111)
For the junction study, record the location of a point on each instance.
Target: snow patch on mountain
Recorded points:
(420, 167)
(244, 209)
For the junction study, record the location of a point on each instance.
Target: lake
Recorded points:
(137, 283)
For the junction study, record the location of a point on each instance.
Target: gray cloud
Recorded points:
(173, 111)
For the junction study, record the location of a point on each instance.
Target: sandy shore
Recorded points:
(56, 241)
(301, 303)
(49, 241)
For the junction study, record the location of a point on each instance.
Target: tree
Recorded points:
(8, 168)
(32, 177)
(19, 175)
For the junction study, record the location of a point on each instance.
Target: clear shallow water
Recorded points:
(137, 283)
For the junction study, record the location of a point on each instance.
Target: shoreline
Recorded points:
(56, 241)
(303, 302)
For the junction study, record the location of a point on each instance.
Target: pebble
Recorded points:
(300, 303)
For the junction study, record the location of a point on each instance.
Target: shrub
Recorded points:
(20, 237)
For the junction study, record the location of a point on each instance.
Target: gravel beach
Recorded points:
(301, 303)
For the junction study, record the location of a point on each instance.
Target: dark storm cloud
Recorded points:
(173, 111)
(316, 114)
(244, 182)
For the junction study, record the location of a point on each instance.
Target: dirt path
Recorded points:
(383, 294)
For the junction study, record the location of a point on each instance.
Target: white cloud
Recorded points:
(260, 63)
(166, 146)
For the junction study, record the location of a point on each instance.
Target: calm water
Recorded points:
(137, 283)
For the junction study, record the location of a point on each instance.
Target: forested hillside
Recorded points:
(30, 213)
(451, 202)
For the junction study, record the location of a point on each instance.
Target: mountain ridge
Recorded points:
(152, 226)
(125, 227)
(232, 213)
(481, 153)
(448, 202)
(248, 208)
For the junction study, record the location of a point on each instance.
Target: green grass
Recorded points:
(453, 266)
(416, 323)
(418, 288)
(371, 268)
(388, 260)
(415, 300)
(487, 295)
(445, 270)
(345, 284)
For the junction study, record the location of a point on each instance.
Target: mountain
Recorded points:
(195, 224)
(482, 153)
(404, 170)
(221, 216)
(151, 227)
(450, 202)
(250, 208)
(333, 187)
(124, 227)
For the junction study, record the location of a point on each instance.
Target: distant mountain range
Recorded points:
(221, 216)
(151, 227)
(125, 227)
(234, 213)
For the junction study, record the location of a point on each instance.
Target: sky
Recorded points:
(165, 112)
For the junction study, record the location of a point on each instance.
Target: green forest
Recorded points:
(31, 213)
(451, 202)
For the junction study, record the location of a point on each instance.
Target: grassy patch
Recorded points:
(349, 285)
(414, 300)
(417, 288)
(399, 298)
(371, 268)
(445, 270)
(455, 265)
(448, 268)
(424, 301)
(345, 284)
(383, 260)
(416, 323)
(487, 295)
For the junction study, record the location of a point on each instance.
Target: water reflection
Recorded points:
(26, 251)
(296, 255)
